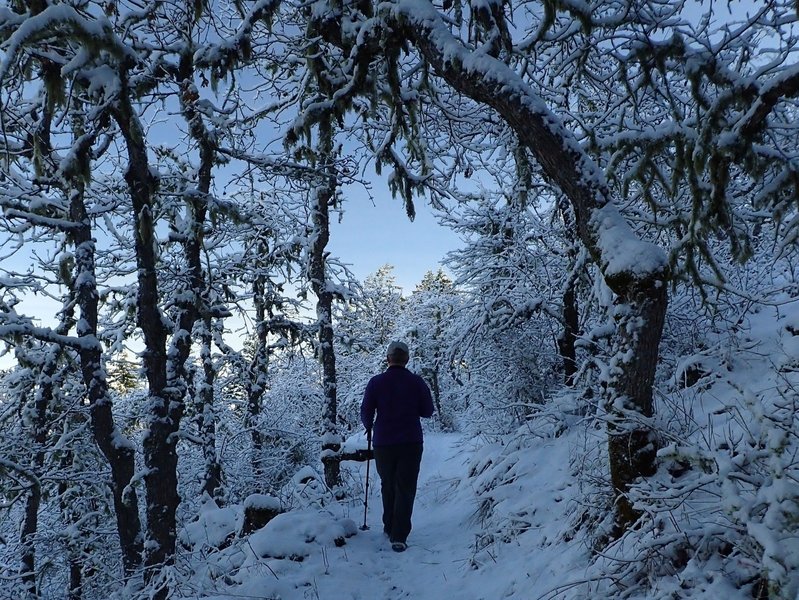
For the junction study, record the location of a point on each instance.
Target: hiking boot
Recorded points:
(399, 546)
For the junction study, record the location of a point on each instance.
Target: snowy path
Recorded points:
(439, 545)
(442, 561)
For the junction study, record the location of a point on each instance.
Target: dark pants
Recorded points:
(398, 467)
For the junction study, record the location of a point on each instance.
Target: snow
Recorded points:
(262, 502)
(621, 249)
(292, 535)
(212, 527)
(505, 517)
(119, 441)
(300, 554)
(53, 17)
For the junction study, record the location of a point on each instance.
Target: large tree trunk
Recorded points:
(632, 445)
(30, 525)
(636, 271)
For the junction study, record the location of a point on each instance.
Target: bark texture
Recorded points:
(571, 314)
(30, 523)
(160, 456)
(119, 452)
(257, 373)
(323, 196)
(213, 475)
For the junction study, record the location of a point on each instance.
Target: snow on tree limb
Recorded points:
(487, 79)
(621, 252)
(48, 335)
(787, 84)
(46, 22)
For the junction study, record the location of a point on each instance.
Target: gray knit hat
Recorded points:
(398, 348)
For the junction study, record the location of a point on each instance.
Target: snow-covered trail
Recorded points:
(443, 560)
(439, 547)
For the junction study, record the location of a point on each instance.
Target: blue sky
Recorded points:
(372, 235)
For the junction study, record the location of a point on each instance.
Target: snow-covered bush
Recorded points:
(75, 512)
(721, 514)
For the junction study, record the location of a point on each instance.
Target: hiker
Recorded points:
(400, 399)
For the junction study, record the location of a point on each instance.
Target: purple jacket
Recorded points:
(400, 398)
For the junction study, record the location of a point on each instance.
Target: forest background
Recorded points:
(623, 175)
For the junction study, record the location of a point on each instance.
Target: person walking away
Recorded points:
(400, 398)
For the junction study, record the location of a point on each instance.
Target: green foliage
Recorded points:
(123, 374)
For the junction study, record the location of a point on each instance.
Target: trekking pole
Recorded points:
(364, 527)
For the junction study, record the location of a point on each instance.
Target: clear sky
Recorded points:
(372, 235)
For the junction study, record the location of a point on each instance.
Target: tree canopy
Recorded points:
(168, 173)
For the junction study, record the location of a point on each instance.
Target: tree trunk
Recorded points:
(160, 457)
(324, 195)
(632, 445)
(71, 517)
(43, 397)
(212, 477)
(257, 372)
(30, 522)
(640, 288)
(195, 305)
(118, 451)
(432, 378)
(566, 342)
(27, 535)
(571, 315)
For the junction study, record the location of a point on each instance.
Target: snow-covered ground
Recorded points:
(499, 520)
(446, 557)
